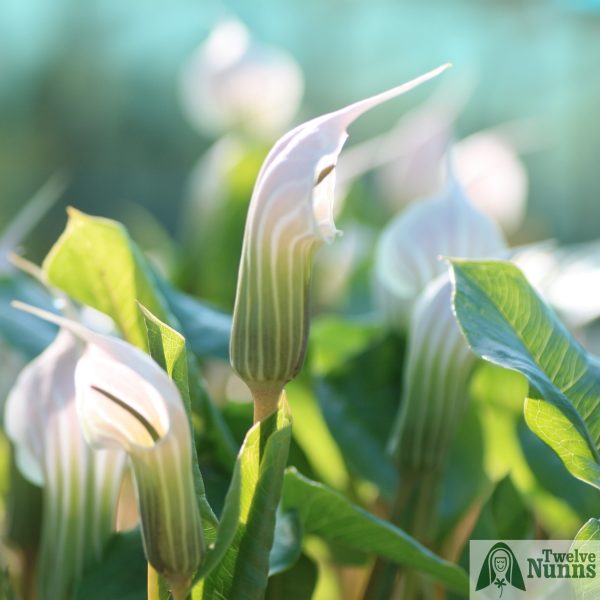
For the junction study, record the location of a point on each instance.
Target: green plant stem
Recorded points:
(422, 528)
(383, 574)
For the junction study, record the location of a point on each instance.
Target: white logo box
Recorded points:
(534, 569)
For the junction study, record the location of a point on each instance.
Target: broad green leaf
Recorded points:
(287, 545)
(329, 515)
(297, 583)
(120, 575)
(497, 396)
(325, 457)
(96, 263)
(505, 516)
(586, 589)
(507, 323)
(589, 532)
(554, 480)
(359, 395)
(206, 329)
(250, 513)
(335, 340)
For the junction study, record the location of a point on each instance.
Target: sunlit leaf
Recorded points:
(588, 535)
(327, 514)
(206, 329)
(249, 513)
(357, 385)
(507, 323)
(97, 264)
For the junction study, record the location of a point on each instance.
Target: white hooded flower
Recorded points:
(289, 218)
(232, 81)
(125, 401)
(414, 293)
(80, 485)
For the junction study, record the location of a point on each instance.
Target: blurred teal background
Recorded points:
(90, 87)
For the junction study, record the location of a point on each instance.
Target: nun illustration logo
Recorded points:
(501, 569)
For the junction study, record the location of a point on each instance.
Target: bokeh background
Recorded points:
(94, 89)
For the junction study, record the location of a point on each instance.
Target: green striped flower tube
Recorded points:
(413, 289)
(289, 218)
(125, 401)
(80, 485)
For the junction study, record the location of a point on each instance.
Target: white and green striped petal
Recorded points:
(409, 249)
(80, 485)
(435, 386)
(414, 294)
(290, 217)
(126, 401)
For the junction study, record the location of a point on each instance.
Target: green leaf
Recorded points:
(287, 545)
(206, 329)
(167, 348)
(324, 457)
(120, 575)
(24, 332)
(297, 583)
(96, 263)
(327, 514)
(505, 515)
(359, 399)
(507, 323)
(590, 532)
(249, 513)
(510, 447)
(554, 479)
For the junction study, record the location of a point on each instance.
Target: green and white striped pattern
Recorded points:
(125, 401)
(409, 249)
(414, 294)
(435, 388)
(80, 486)
(290, 216)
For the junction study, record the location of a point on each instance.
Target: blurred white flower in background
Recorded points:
(489, 168)
(234, 82)
(410, 161)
